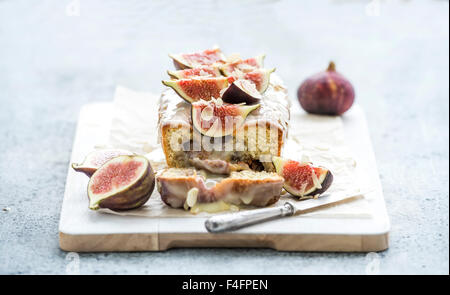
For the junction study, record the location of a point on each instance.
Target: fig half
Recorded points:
(243, 65)
(197, 59)
(125, 182)
(259, 77)
(302, 179)
(196, 89)
(96, 159)
(216, 119)
(242, 91)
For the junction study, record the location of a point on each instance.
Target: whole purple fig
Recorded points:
(326, 93)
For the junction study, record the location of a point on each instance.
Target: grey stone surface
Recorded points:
(53, 62)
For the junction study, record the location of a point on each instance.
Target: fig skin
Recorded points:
(131, 197)
(326, 93)
(326, 183)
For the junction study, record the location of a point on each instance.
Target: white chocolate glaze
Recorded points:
(174, 111)
(176, 187)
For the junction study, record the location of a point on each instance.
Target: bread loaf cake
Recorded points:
(260, 137)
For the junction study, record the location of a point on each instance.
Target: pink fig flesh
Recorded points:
(197, 59)
(196, 89)
(243, 65)
(123, 183)
(196, 72)
(217, 119)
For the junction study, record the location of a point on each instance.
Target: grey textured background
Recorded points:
(52, 63)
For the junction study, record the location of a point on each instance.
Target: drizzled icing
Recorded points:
(176, 112)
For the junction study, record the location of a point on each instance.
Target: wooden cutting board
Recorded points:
(83, 230)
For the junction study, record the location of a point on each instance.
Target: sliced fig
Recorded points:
(122, 183)
(244, 65)
(259, 77)
(196, 89)
(303, 179)
(197, 59)
(216, 119)
(96, 159)
(196, 72)
(242, 91)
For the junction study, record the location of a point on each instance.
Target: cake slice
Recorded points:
(193, 189)
(252, 145)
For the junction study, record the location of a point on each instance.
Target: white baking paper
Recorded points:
(319, 139)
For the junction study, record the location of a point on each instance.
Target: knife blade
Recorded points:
(233, 221)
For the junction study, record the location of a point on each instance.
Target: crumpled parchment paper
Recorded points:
(318, 139)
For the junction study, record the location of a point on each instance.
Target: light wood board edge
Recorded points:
(109, 243)
(280, 242)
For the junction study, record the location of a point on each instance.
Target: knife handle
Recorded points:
(232, 221)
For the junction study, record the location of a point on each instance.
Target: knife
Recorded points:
(233, 221)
